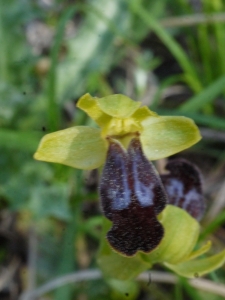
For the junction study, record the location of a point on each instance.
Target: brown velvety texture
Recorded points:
(131, 196)
(183, 186)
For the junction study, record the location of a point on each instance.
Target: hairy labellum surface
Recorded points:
(132, 196)
(183, 186)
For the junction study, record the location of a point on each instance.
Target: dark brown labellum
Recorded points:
(131, 196)
(184, 187)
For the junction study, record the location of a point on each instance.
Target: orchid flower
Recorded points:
(148, 218)
(119, 117)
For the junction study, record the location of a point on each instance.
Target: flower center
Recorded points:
(122, 129)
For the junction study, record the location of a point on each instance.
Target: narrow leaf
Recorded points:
(207, 96)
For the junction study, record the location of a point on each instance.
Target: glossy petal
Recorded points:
(164, 136)
(79, 147)
(181, 234)
(199, 267)
(118, 106)
(91, 107)
(183, 186)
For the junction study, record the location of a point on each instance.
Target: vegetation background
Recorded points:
(168, 54)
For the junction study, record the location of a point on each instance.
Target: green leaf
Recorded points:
(50, 201)
(82, 60)
(114, 265)
(16, 193)
(165, 136)
(80, 147)
(198, 267)
(213, 225)
(16, 187)
(207, 96)
(180, 237)
(19, 140)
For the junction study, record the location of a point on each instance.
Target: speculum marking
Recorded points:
(132, 195)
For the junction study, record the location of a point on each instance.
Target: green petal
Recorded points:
(199, 267)
(164, 136)
(79, 147)
(114, 265)
(142, 113)
(118, 106)
(180, 237)
(91, 107)
(205, 248)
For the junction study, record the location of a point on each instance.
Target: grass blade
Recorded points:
(207, 96)
(189, 70)
(19, 140)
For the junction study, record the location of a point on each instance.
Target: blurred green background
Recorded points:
(168, 54)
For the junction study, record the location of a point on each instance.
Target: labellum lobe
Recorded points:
(131, 196)
(183, 186)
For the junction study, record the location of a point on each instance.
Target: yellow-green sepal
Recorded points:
(113, 264)
(164, 136)
(90, 106)
(198, 267)
(118, 106)
(180, 237)
(80, 147)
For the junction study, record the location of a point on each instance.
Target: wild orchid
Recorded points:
(148, 218)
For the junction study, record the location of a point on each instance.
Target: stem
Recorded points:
(156, 277)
